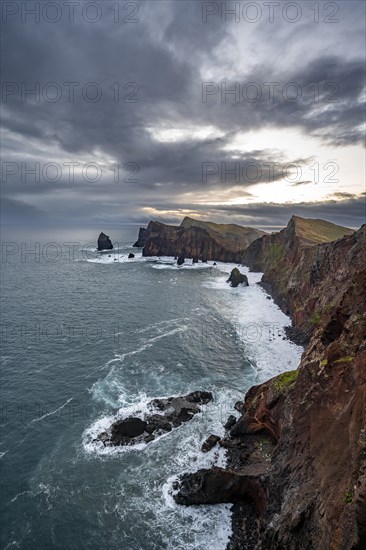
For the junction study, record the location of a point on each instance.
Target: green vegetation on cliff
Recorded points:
(285, 381)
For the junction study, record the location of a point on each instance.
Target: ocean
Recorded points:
(89, 337)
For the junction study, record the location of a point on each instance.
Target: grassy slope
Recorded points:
(223, 228)
(319, 231)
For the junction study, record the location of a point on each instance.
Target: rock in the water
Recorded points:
(180, 260)
(131, 255)
(210, 443)
(230, 422)
(172, 412)
(236, 278)
(195, 259)
(104, 242)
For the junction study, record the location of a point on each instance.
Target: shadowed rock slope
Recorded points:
(296, 469)
(197, 239)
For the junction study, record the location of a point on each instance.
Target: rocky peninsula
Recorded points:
(197, 239)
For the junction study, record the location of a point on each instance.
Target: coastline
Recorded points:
(279, 475)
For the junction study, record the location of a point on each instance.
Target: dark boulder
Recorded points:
(158, 422)
(236, 278)
(180, 260)
(131, 255)
(104, 242)
(239, 406)
(210, 443)
(199, 397)
(195, 260)
(230, 422)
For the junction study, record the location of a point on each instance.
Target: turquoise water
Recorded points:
(87, 337)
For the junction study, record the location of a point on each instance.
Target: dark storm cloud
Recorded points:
(166, 56)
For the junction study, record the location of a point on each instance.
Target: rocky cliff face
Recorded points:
(197, 239)
(297, 455)
(294, 261)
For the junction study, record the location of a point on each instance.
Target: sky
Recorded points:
(115, 113)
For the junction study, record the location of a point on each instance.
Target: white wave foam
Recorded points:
(52, 412)
(114, 258)
(258, 321)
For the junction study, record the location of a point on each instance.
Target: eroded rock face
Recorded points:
(200, 240)
(236, 278)
(166, 414)
(104, 242)
(297, 455)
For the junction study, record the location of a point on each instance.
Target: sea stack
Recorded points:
(236, 278)
(104, 242)
(181, 259)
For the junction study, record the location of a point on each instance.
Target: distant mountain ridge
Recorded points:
(205, 240)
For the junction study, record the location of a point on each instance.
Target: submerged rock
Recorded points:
(166, 414)
(236, 278)
(104, 242)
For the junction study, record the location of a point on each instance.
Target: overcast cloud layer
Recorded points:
(166, 139)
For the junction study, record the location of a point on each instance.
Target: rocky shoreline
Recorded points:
(296, 457)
